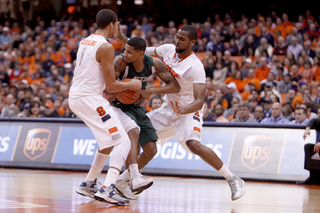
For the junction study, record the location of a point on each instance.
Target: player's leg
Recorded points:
(189, 129)
(109, 133)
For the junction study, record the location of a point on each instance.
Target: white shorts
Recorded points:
(98, 115)
(125, 120)
(169, 125)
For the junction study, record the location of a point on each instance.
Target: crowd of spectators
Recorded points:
(263, 70)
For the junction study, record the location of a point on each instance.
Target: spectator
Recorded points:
(68, 113)
(234, 105)
(219, 74)
(232, 89)
(295, 47)
(156, 102)
(263, 46)
(50, 110)
(245, 68)
(10, 99)
(262, 71)
(284, 85)
(280, 47)
(206, 114)
(249, 44)
(218, 111)
(307, 47)
(5, 37)
(259, 113)
(21, 99)
(253, 102)
(267, 104)
(54, 76)
(4, 77)
(311, 161)
(138, 32)
(244, 110)
(300, 116)
(267, 35)
(276, 115)
(5, 111)
(25, 111)
(35, 110)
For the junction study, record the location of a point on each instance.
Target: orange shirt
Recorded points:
(261, 73)
(315, 71)
(279, 29)
(238, 82)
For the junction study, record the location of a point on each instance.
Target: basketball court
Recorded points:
(42, 191)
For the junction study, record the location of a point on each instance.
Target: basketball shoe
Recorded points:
(236, 185)
(88, 188)
(139, 184)
(124, 187)
(109, 194)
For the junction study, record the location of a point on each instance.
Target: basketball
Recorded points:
(127, 96)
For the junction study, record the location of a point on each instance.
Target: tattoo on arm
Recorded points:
(119, 66)
(162, 71)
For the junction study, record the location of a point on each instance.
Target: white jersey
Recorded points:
(88, 77)
(187, 71)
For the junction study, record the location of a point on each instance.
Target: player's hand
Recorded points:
(317, 147)
(117, 34)
(109, 96)
(146, 94)
(175, 107)
(135, 85)
(306, 133)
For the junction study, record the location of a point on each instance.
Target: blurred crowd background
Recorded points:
(262, 64)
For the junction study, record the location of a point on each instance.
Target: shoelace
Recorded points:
(233, 185)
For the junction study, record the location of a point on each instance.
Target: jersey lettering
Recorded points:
(88, 42)
(172, 71)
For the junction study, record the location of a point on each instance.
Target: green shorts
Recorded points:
(147, 132)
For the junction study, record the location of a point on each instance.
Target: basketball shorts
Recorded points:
(168, 125)
(137, 114)
(98, 115)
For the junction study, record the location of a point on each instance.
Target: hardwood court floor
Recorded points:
(42, 191)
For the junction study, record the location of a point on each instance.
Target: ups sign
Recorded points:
(256, 152)
(36, 143)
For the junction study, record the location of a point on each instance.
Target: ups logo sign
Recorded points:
(256, 151)
(36, 143)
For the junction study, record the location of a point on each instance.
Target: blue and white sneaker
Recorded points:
(88, 188)
(109, 194)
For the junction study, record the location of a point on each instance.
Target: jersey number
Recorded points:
(82, 53)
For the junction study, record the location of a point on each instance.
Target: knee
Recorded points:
(150, 149)
(134, 135)
(194, 146)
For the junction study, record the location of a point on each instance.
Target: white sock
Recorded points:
(225, 171)
(134, 170)
(112, 176)
(98, 163)
(125, 175)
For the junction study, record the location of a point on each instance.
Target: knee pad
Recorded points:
(119, 154)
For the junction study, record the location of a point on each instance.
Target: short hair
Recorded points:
(304, 110)
(104, 17)
(137, 43)
(193, 34)
(244, 104)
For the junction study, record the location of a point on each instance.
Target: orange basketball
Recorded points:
(127, 96)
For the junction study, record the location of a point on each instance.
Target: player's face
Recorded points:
(130, 54)
(183, 43)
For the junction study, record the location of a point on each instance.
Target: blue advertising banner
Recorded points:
(8, 139)
(172, 155)
(76, 145)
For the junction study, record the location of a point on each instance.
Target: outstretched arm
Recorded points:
(120, 36)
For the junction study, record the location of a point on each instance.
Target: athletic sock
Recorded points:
(112, 176)
(225, 171)
(134, 170)
(98, 163)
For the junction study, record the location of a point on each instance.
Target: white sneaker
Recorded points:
(88, 188)
(110, 195)
(236, 185)
(124, 188)
(139, 184)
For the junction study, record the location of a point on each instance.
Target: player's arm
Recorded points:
(119, 65)
(152, 51)
(105, 55)
(172, 85)
(199, 90)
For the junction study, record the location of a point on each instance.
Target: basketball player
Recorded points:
(135, 64)
(181, 113)
(93, 73)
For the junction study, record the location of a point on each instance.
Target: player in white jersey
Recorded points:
(94, 72)
(181, 113)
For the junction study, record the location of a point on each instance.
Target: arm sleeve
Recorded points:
(163, 48)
